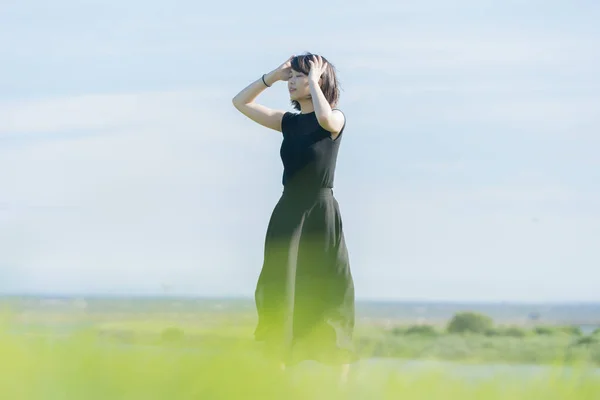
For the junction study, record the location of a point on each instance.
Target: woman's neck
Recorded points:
(306, 106)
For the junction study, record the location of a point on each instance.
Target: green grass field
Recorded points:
(530, 349)
(84, 367)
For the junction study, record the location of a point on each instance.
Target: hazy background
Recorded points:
(468, 169)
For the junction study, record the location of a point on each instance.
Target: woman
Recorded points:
(305, 291)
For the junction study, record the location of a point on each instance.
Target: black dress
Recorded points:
(305, 292)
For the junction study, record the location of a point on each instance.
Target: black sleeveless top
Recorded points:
(308, 152)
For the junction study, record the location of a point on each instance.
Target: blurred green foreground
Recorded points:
(82, 366)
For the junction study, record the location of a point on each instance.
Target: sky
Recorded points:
(468, 170)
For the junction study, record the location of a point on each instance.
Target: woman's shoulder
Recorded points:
(287, 122)
(339, 111)
(289, 114)
(340, 117)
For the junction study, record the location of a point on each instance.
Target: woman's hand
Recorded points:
(317, 68)
(281, 73)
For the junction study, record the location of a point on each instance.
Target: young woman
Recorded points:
(305, 291)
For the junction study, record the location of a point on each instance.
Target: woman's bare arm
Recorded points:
(331, 120)
(265, 116)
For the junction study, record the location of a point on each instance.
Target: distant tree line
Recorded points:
(479, 324)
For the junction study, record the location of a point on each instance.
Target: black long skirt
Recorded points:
(305, 292)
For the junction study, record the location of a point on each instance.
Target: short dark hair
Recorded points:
(329, 82)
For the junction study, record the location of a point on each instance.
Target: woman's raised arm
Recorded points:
(265, 116)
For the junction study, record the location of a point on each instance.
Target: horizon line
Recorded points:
(131, 295)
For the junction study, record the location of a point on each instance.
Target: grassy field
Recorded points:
(516, 345)
(543, 345)
(78, 368)
(220, 364)
(211, 355)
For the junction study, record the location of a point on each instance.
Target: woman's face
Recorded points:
(298, 86)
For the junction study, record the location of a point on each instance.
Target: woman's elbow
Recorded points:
(236, 102)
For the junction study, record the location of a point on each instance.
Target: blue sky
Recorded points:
(468, 170)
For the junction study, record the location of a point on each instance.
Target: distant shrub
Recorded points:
(545, 330)
(171, 335)
(416, 330)
(470, 322)
(514, 331)
(596, 332)
(493, 332)
(587, 340)
(421, 330)
(555, 330)
(398, 330)
(511, 331)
